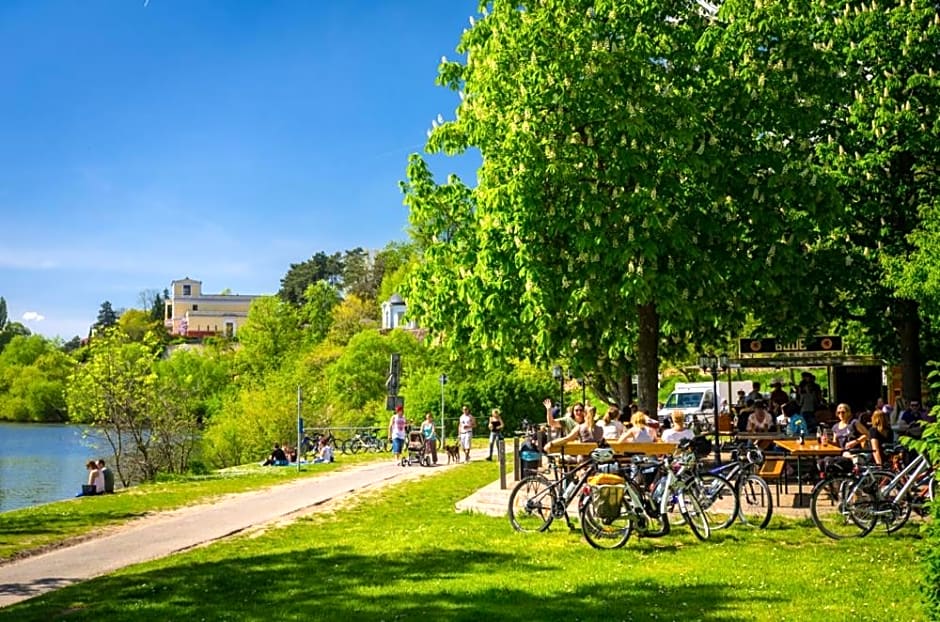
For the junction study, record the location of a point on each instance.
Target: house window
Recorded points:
(195, 307)
(187, 290)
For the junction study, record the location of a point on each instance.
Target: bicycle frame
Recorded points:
(910, 475)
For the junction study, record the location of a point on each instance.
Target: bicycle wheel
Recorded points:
(897, 510)
(601, 528)
(839, 509)
(755, 501)
(531, 503)
(344, 446)
(355, 445)
(718, 499)
(694, 515)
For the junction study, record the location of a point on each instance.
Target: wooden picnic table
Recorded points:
(576, 448)
(808, 448)
(762, 439)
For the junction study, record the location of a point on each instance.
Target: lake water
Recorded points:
(40, 463)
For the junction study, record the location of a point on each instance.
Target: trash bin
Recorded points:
(530, 458)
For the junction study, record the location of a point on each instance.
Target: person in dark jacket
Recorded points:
(108, 476)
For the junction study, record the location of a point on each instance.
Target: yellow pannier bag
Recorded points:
(605, 479)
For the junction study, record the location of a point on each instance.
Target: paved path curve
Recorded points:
(177, 530)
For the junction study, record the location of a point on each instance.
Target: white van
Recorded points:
(696, 400)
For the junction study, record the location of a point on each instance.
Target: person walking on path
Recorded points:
(397, 432)
(430, 436)
(495, 426)
(465, 426)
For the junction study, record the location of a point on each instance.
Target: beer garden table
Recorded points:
(807, 449)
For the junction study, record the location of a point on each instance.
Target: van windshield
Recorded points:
(683, 400)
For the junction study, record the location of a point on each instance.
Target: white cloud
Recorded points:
(32, 316)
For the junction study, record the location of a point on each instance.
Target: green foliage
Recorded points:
(355, 383)
(350, 317)
(33, 373)
(316, 314)
(137, 323)
(106, 316)
(320, 267)
(638, 172)
(147, 417)
(270, 336)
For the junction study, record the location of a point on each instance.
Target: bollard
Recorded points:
(501, 452)
(516, 460)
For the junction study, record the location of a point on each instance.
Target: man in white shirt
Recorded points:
(465, 426)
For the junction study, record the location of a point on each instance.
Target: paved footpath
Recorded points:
(166, 533)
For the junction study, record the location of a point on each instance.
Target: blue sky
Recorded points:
(143, 141)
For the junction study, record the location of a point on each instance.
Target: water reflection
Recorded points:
(40, 463)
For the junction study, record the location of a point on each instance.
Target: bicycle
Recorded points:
(869, 494)
(536, 501)
(646, 513)
(365, 441)
(753, 503)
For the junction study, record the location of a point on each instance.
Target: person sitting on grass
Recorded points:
(108, 476)
(277, 457)
(326, 452)
(95, 485)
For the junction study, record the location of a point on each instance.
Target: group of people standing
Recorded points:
(100, 479)
(398, 428)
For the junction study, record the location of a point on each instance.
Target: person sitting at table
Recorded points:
(760, 421)
(744, 414)
(755, 393)
(678, 431)
(879, 435)
(612, 427)
(912, 420)
(639, 431)
(778, 398)
(848, 432)
(588, 431)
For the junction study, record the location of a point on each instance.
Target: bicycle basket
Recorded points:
(606, 495)
(603, 455)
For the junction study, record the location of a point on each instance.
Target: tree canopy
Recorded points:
(644, 164)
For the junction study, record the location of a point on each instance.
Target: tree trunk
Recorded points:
(648, 358)
(907, 325)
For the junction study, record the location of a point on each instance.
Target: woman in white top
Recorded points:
(612, 427)
(95, 477)
(639, 431)
(678, 431)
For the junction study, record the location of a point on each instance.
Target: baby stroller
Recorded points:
(416, 453)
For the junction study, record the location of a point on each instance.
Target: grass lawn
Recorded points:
(402, 553)
(53, 523)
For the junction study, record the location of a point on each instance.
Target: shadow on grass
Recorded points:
(328, 583)
(56, 524)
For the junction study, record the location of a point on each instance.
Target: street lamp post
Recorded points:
(443, 380)
(714, 365)
(559, 375)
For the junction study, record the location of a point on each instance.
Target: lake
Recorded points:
(44, 462)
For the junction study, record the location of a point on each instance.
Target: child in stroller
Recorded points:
(416, 450)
